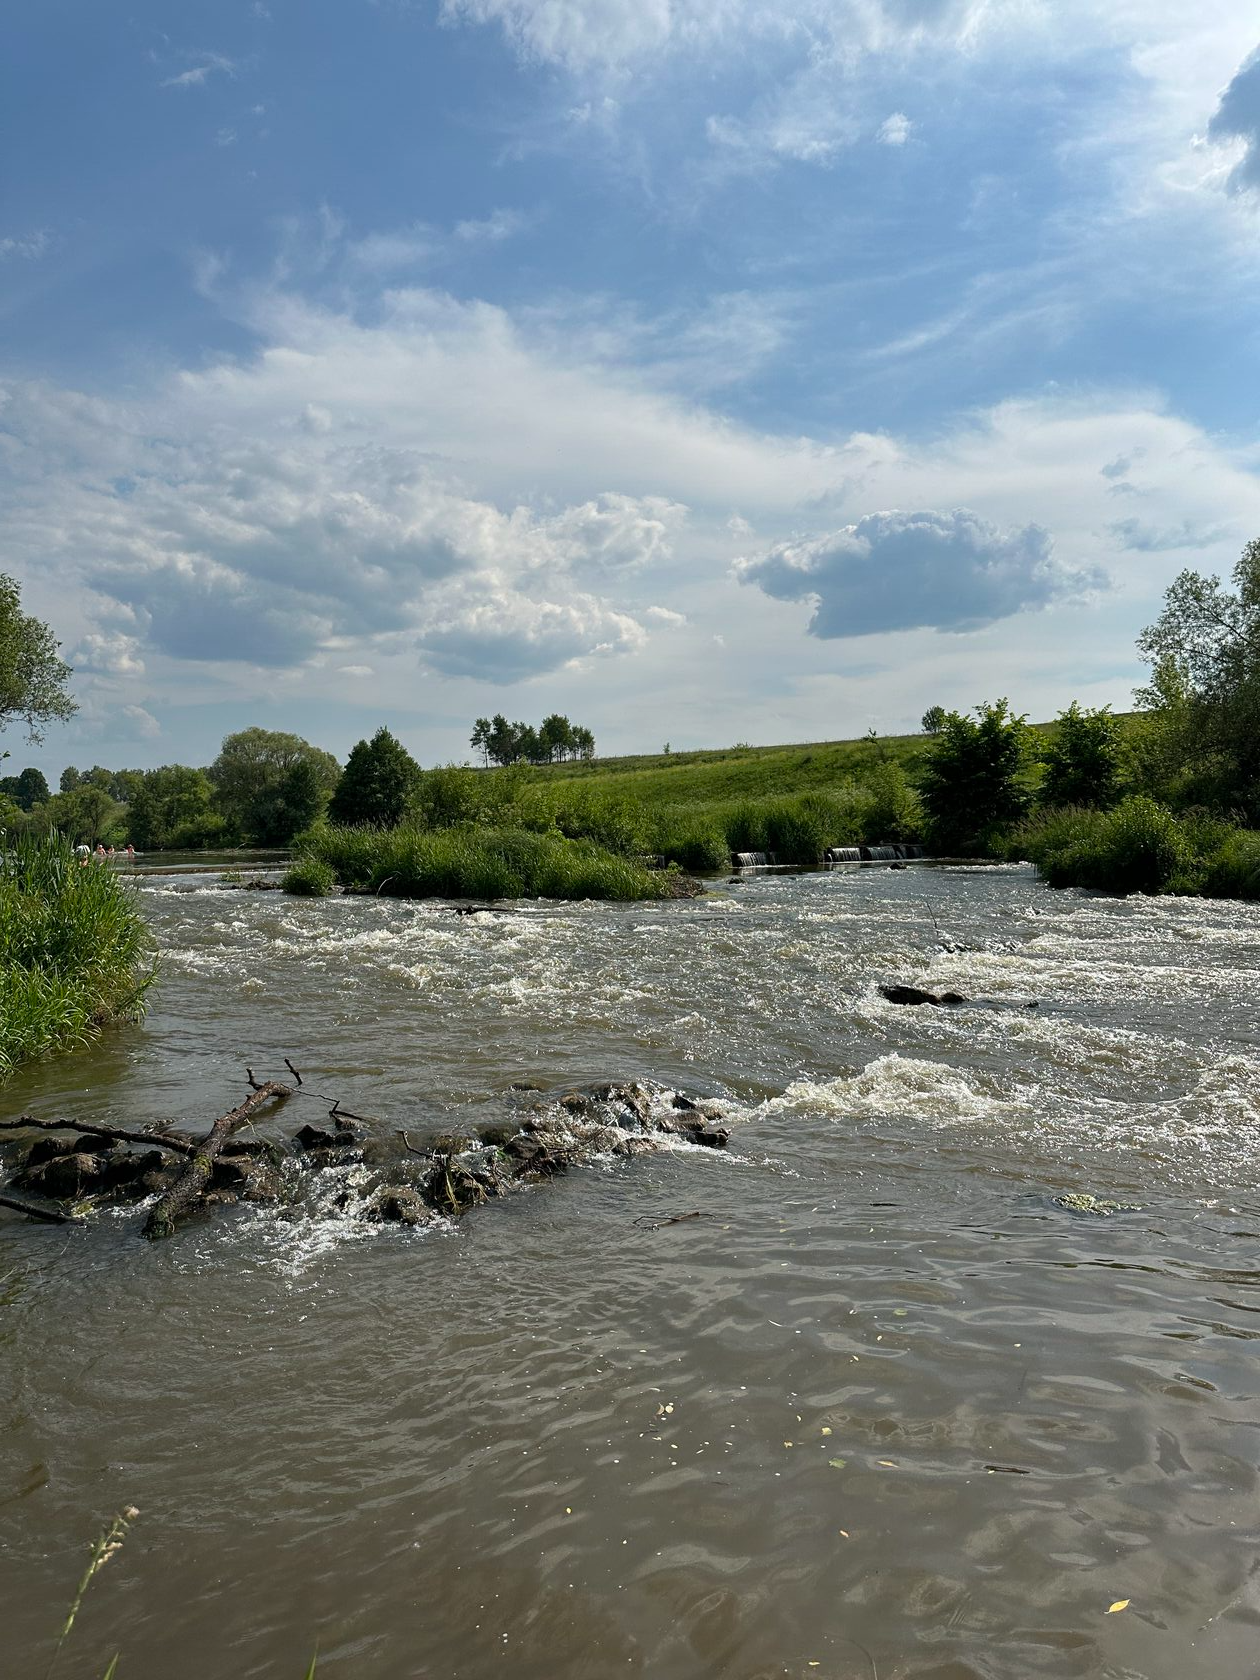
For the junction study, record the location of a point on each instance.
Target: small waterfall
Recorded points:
(753, 860)
(881, 854)
(844, 854)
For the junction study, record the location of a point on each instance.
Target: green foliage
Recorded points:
(934, 720)
(1083, 759)
(270, 784)
(32, 676)
(172, 807)
(469, 861)
(972, 781)
(86, 815)
(1139, 846)
(310, 877)
(555, 740)
(376, 783)
(72, 945)
(1205, 689)
(27, 789)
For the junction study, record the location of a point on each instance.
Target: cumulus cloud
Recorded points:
(895, 130)
(904, 571)
(1237, 118)
(498, 634)
(108, 653)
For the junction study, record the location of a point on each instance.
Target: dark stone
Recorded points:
(912, 995)
(679, 1101)
(48, 1149)
(91, 1145)
(63, 1178)
(711, 1136)
(398, 1204)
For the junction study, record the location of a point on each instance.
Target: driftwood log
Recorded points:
(89, 1128)
(192, 1182)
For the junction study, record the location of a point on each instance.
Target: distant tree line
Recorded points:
(555, 739)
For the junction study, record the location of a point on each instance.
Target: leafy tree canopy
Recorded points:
(1205, 689)
(27, 789)
(1083, 761)
(32, 676)
(270, 784)
(971, 783)
(376, 783)
(934, 720)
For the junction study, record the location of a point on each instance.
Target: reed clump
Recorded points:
(73, 949)
(475, 862)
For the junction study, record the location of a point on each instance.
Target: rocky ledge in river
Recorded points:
(365, 1170)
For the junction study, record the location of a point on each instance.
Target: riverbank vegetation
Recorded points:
(472, 861)
(73, 950)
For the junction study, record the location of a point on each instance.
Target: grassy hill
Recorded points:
(742, 772)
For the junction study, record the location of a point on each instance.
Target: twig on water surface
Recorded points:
(104, 1549)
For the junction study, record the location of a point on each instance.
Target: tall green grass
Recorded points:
(470, 861)
(73, 949)
(1139, 846)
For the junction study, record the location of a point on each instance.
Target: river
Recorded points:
(887, 1409)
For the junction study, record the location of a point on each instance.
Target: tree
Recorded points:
(172, 807)
(86, 816)
(971, 780)
(1083, 762)
(555, 737)
(70, 779)
(32, 677)
(584, 743)
(479, 740)
(934, 720)
(26, 790)
(376, 784)
(270, 784)
(1205, 650)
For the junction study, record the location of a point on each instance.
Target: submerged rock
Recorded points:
(912, 995)
(1079, 1202)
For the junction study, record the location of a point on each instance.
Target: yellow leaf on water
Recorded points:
(887, 1463)
(837, 1463)
(826, 1429)
(787, 1443)
(1120, 1604)
(846, 1534)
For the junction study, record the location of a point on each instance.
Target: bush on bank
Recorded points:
(72, 950)
(469, 861)
(1139, 846)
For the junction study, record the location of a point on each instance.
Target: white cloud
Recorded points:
(365, 494)
(907, 571)
(492, 229)
(212, 64)
(895, 130)
(25, 245)
(1237, 118)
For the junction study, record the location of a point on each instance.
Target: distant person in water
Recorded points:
(100, 848)
(84, 853)
(131, 852)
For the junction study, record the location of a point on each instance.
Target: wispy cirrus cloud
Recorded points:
(197, 75)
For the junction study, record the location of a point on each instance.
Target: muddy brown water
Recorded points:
(925, 1422)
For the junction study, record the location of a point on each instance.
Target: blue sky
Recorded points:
(708, 370)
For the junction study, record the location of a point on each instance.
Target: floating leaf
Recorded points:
(846, 1534)
(900, 1312)
(787, 1443)
(887, 1463)
(826, 1429)
(837, 1463)
(1120, 1604)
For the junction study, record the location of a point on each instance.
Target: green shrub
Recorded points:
(1234, 870)
(72, 949)
(310, 877)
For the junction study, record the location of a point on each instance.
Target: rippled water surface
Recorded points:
(920, 1419)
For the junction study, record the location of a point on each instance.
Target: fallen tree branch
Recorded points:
(40, 1210)
(89, 1128)
(196, 1175)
